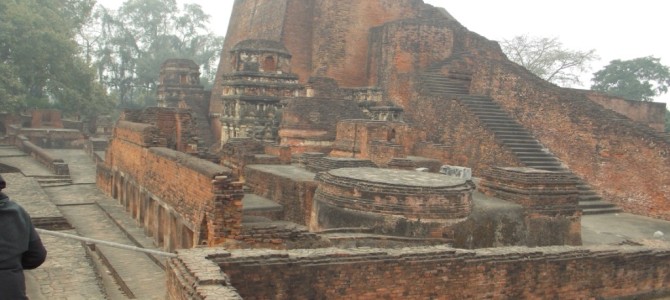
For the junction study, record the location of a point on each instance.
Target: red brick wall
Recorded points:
(403, 47)
(624, 160)
(650, 113)
(295, 195)
(437, 273)
(197, 190)
(310, 124)
(466, 141)
(325, 37)
(176, 125)
(379, 141)
(342, 28)
(626, 163)
(258, 19)
(50, 118)
(297, 36)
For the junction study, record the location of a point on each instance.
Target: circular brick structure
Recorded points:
(395, 202)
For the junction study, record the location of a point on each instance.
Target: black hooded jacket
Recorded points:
(20, 248)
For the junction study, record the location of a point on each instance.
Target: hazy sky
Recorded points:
(617, 29)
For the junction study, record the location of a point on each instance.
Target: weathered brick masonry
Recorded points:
(286, 185)
(626, 161)
(397, 41)
(182, 201)
(422, 273)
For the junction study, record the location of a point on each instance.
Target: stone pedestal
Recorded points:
(550, 200)
(391, 202)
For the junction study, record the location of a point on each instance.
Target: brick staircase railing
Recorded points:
(530, 152)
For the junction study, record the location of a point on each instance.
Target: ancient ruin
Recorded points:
(379, 149)
(323, 115)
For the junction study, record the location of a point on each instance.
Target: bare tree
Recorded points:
(548, 59)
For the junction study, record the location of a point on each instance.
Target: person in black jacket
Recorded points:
(20, 248)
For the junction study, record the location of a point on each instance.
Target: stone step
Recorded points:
(492, 113)
(590, 197)
(438, 87)
(533, 154)
(511, 132)
(503, 124)
(600, 211)
(535, 160)
(443, 81)
(515, 138)
(449, 92)
(504, 119)
(522, 144)
(538, 165)
(526, 147)
(549, 168)
(483, 102)
(54, 182)
(514, 134)
(523, 147)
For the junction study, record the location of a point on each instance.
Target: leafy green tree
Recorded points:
(134, 41)
(636, 79)
(40, 58)
(548, 59)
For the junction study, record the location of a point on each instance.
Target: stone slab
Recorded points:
(252, 202)
(293, 172)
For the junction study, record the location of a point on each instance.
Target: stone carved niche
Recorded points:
(261, 56)
(252, 92)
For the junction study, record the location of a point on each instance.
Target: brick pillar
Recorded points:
(550, 200)
(225, 218)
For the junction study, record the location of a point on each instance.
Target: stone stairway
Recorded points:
(53, 180)
(513, 136)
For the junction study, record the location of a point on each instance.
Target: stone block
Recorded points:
(460, 172)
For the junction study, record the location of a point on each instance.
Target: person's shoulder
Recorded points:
(8, 204)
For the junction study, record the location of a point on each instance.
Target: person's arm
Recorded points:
(36, 253)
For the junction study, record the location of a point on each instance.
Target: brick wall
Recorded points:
(277, 236)
(49, 118)
(403, 47)
(431, 273)
(56, 165)
(650, 113)
(262, 19)
(550, 201)
(309, 124)
(323, 36)
(380, 141)
(455, 134)
(181, 200)
(177, 126)
(626, 161)
(295, 194)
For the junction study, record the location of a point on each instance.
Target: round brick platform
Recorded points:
(396, 202)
